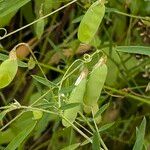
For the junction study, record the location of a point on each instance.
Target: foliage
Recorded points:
(74, 74)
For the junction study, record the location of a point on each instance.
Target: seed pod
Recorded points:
(95, 84)
(8, 70)
(91, 21)
(76, 96)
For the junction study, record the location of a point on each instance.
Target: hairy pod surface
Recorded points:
(94, 86)
(91, 21)
(76, 96)
(8, 70)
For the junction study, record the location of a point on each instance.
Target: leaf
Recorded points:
(2, 115)
(101, 110)
(39, 28)
(134, 49)
(71, 147)
(140, 133)
(20, 137)
(48, 6)
(6, 136)
(31, 63)
(4, 112)
(66, 90)
(28, 15)
(42, 124)
(146, 22)
(135, 6)
(3, 57)
(22, 122)
(78, 19)
(9, 6)
(106, 126)
(96, 142)
(44, 81)
(22, 64)
(69, 106)
(6, 19)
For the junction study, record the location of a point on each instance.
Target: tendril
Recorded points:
(5, 33)
(87, 58)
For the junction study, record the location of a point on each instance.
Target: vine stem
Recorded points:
(137, 98)
(96, 127)
(12, 121)
(64, 77)
(29, 108)
(55, 11)
(125, 14)
(26, 109)
(78, 130)
(41, 97)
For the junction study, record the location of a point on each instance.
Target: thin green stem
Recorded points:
(88, 123)
(137, 98)
(64, 78)
(78, 130)
(28, 25)
(125, 14)
(12, 121)
(41, 97)
(101, 141)
(83, 128)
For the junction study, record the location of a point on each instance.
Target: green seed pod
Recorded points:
(95, 84)
(8, 70)
(91, 21)
(76, 96)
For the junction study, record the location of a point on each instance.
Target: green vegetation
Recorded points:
(74, 74)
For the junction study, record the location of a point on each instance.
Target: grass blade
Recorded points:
(134, 49)
(9, 6)
(20, 137)
(43, 81)
(96, 142)
(139, 143)
(71, 147)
